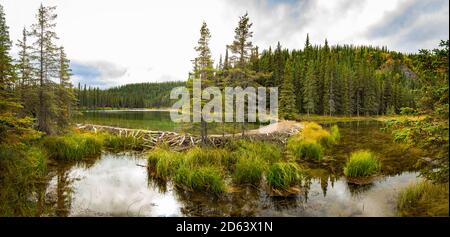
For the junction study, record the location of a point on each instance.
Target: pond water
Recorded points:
(119, 185)
(152, 120)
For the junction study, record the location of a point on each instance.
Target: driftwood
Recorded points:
(184, 141)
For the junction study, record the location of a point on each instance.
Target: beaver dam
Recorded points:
(278, 132)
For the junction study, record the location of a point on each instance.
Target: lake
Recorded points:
(153, 120)
(119, 185)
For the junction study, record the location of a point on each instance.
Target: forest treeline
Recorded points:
(140, 95)
(319, 79)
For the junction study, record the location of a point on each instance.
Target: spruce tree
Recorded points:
(45, 55)
(309, 90)
(203, 68)
(66, 99)
(12, 128)
(287, 96)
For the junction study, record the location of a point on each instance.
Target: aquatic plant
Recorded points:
(164, 162)
(249, 170)
(122, 143)
(313, 131)
(361, 164)
(257, 149)
(335, 134)
(423, 199)
(73, 147)
(203, 178)
(282, 175)
(306, 149)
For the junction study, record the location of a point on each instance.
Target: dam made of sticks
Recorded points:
(278, 133)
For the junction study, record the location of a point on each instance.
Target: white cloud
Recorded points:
(154, 40)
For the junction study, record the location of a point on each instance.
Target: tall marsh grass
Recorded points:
(203, 178)
(282, 175)
(249, 170)
(423, 199)
(73, 147)
(310, 142)
(305, 149)
(362, 164)
(122, 143)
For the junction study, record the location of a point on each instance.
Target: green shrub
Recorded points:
(282, 175)
(361, 164)
(20, 170)
(423, 199)
(305, 149)
(204, 178)
(249, 170)
(72, 147)
(408, 111)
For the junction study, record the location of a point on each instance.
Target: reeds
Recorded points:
(423, 199)
(362, 164)
(73, 147)
(282, 175)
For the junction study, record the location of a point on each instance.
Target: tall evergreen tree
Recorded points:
(12, 128)
(287, 96)
(203, 67)
(309, 90)
(26, 84)
(66, 99)
(45, 55)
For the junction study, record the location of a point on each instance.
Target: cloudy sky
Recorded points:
(114, 42)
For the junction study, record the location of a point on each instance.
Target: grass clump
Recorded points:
(313, 131)
(249, 170)
(362, 164)
(122, 143)
(258, 149)
(73, 147)
(423, 199)
(196, 169)
(164, 163)
(203, 178)
(283, 175)
(335, 134)
(310, 142)
(305, 149)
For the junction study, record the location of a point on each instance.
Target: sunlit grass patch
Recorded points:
(313, 131)
(362, 164)
(423, 199)
(283, 175)
(73, 147)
